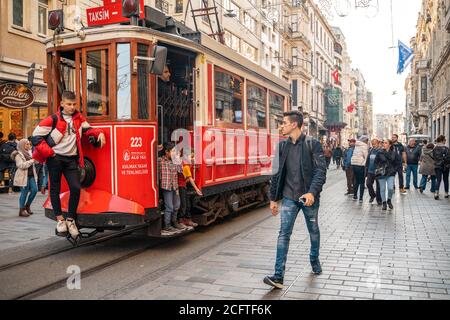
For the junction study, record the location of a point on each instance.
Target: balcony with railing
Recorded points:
(286, 65)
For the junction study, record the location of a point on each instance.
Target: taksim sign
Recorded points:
(15, 95)
(109, 14)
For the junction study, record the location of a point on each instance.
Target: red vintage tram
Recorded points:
(229, 107)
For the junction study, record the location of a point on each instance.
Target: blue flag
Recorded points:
(405, 55)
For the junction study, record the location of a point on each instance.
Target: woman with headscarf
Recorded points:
(25, 177)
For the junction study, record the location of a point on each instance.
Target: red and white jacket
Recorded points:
(44, 139)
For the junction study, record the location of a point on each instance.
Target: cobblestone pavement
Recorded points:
(17, 231)
(365, 253)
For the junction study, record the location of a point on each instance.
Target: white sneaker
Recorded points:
(73, 230)
(61, 228)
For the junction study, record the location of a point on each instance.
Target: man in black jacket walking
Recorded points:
(300, 172)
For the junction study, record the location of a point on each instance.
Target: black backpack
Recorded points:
(5, 151)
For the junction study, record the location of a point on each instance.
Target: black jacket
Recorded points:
(313, 168)
(391, 160)
(5, 154)
(440, 152)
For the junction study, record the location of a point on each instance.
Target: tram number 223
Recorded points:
(136, 142)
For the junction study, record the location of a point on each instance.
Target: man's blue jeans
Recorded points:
(411, 168)
(289, 211)
(423, 183)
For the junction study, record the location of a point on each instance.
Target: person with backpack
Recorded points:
(57, 141)
(299, 175)
(6, 163)
(427, 169)
(337, 155)
(441, 158)
(25, 176)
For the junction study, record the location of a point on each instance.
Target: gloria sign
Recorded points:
(15, 95)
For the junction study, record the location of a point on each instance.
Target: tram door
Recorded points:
(175, 93)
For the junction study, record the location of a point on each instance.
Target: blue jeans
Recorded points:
(171, 204)
(289, 211)
(30, 189)
(411, 168)
(389, 181)
(423, 183)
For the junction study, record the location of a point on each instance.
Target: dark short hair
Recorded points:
(1, 135)
(430, 146)
(395, 135)
(68, 95)
(12, 136)
(425, 141)
(168, 146)
(440, 139)
(295, 116)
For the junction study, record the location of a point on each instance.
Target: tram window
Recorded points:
(228, 89)
(256, 106)
(123, 81)
(276, 106)
(142, 82)
(97, 93)
(68, 70)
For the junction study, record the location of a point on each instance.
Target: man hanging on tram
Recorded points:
(57, 141)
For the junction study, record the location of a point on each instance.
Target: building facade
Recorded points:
(388, 124)
(428, 84)
(23, 27)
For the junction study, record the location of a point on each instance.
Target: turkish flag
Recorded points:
(335, 76)
(351, 107)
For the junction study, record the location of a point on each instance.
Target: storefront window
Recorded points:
(11, 120)
(34, 115)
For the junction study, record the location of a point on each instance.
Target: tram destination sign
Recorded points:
(15, 95)
(110, 13)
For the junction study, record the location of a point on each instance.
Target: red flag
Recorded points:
(351, 107)
(335, 76)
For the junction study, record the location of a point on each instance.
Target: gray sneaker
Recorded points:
(178, 226)
(168, 231)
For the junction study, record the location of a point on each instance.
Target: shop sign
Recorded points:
(15, 95)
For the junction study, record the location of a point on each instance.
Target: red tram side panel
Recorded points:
(125, 171)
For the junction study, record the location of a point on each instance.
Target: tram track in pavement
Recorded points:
(52, 286)
(95, 241)
(61, 281)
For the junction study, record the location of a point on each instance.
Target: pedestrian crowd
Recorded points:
(375, 164)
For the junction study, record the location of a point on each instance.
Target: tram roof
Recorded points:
(206, 46)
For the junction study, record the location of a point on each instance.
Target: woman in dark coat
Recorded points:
(427, 169)
(386, 164)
